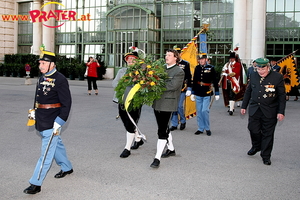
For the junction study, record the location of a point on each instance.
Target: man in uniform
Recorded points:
(167, 104)
(185, 91)
(232, 81)
(52, 108)
(265, 96)
(274, 65)
(204, 77)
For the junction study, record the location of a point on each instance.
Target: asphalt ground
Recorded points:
(215, 167)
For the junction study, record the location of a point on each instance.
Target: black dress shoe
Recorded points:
(136, 145)
(62, 174)
(253, 151)
(198, 132)
(173, 128)
(168, 153)
(208, 132)
(230, 113)
(182, 126)
(155, 163)
(32, 189)
(267, 161)
(125, 153)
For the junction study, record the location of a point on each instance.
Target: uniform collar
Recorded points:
(171, 66)
(51, 72)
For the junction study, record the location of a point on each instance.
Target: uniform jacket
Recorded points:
(269, 95)
(52, 89)
(236, 80)
(204, 74)
(170, 98)
(185, 66)
(92, 69)
(115, 82)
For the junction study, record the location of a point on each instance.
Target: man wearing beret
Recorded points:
(265, 95)
(52, 108)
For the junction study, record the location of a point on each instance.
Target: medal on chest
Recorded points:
(47, 83)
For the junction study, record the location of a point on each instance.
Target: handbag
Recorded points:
(86, 72)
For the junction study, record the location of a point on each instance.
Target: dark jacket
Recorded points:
(185, 66)
(170, 98)
(52, 89)
(269, 95)
(207, 75)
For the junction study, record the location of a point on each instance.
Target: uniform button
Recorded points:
(259, 91)
(258, 97)
(258, 103)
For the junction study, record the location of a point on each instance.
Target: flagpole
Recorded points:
(287, 56)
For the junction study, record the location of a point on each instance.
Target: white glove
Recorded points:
(188, 93)
(193, 97)
(56, 127)
(224, 74)
(31, 114)
(217, 97)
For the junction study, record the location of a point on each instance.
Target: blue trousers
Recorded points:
(57, 151)
(180, 111)
(202, 106)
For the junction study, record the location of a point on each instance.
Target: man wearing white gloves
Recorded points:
(52, 108)
(204, 80)
(179, 115)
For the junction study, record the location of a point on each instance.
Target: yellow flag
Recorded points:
(189, 53)
(289, 72)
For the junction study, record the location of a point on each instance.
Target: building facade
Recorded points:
(259, 27)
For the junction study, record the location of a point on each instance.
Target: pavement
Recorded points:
(213, 167)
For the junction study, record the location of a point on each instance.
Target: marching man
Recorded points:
(52, 108)
(232, 81)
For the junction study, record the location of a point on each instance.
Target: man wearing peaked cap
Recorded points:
(265, 96)
(274, 65)
(51, 111)
(203, 82)
(131, 132)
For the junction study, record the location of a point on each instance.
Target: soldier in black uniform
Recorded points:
(204, 77)
(265, 96)
(52, 108)
(185, 91)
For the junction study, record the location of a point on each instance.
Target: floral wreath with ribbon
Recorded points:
(145, 81)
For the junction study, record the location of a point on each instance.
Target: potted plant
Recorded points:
(80, 70)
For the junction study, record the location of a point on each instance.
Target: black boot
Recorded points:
(125, 153)
(32, 189)
(136, 145)
(155, 163)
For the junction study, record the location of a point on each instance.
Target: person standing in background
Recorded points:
(92, 74)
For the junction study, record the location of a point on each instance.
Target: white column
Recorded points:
(239, 26)
(49, 33)
(37, 31)
(258, 29)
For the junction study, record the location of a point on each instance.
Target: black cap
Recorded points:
(48, 56)
(134, 53)
(232, 55)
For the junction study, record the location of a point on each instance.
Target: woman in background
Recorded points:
(92, 75)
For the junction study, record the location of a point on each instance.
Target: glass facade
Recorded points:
(25, 29)
(156, 25)
(283, 27)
